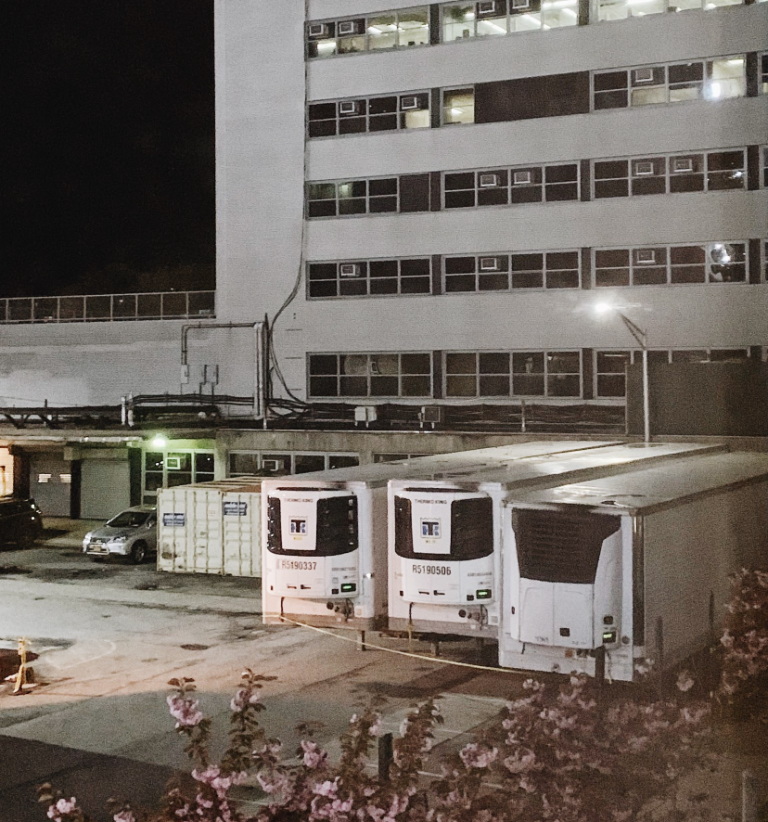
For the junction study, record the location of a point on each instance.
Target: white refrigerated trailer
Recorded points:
(628, 567)
(324, 534)
(445, 535)
(210, 528)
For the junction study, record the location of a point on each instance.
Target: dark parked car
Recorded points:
(20, 521)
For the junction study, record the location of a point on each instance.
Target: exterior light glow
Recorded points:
(159, 441)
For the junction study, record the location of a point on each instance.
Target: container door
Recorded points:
(241, 536)
(207, 549)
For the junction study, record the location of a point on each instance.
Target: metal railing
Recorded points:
(160, 305)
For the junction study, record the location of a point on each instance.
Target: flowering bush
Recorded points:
(744, 681)
(564, 752)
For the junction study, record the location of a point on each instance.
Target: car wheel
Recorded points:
(138, 553)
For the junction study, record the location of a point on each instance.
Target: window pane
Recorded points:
(308, 462)
(459, 106)
(323, 364)
(458, 21)
(460, 363)
(416, 363)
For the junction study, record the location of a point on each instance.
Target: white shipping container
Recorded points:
(634, 566)
(210, 528)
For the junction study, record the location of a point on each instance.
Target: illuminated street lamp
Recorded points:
(641, 337)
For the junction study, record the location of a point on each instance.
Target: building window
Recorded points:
(167, 469)
(764, 73)
(458, 106)
(370, 375)
(518, 373)
(369, 114)
(621, 9)
(712, 171)
(384, 30)
(715, 79)
(368, 278)
(352, 197)
(491, 18)
(504, 186)
(267, 464)
(347, 198)
(500, 272)
(722, 262)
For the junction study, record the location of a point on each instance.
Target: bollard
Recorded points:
(748, 797)
(386, 755)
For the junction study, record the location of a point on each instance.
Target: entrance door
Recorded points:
(105, 488)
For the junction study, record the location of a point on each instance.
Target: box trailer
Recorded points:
(628, 567)
(445, 535)
(324, 533)
(210, 528)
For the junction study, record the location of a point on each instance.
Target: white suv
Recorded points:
(132, 533)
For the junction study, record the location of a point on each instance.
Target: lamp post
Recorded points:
(641, 337)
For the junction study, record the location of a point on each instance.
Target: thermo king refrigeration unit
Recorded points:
(631, 566)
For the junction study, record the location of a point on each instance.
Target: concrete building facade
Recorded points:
(427, 201)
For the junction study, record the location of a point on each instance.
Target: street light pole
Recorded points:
(642, 338)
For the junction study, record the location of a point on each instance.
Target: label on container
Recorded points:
(235, 509)
(175, 520)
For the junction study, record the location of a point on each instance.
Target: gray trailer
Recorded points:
(628, 567)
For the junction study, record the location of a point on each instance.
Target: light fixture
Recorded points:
(159, 441)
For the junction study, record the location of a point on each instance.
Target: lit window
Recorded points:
(385, 30)
(458, 106)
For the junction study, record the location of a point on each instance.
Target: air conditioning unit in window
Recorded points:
(643, 75)
(318, 30)
(681, 165)
(347, 27)
(411, 103)
(350, 270)
(486, 7)
(489, 180)
(519, 5)
(347, 107)
(522, 178)
(489, 264)
(273, 465)
(645, 256)
(431, 414)
(365, 413)
(173, 463)
(643, 168)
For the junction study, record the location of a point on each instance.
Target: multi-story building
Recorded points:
(427, 201)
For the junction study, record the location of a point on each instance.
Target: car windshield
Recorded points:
(129, 519)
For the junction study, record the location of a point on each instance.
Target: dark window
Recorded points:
(414, 192)
(532, 97)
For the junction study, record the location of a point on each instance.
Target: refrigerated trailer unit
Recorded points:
(210, 528)
(628, 567)
(324, 533)
(445, 536)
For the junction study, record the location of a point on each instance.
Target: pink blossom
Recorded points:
(684, 681)
(184, 710)
(476, 755)
(376, 726)
(220, 783)
(124, 816)
(314, 756)
(242, 698)
(520, 761)
(327, 788)
(274, 783)
(61, 807)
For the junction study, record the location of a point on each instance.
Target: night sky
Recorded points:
(106, 146)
